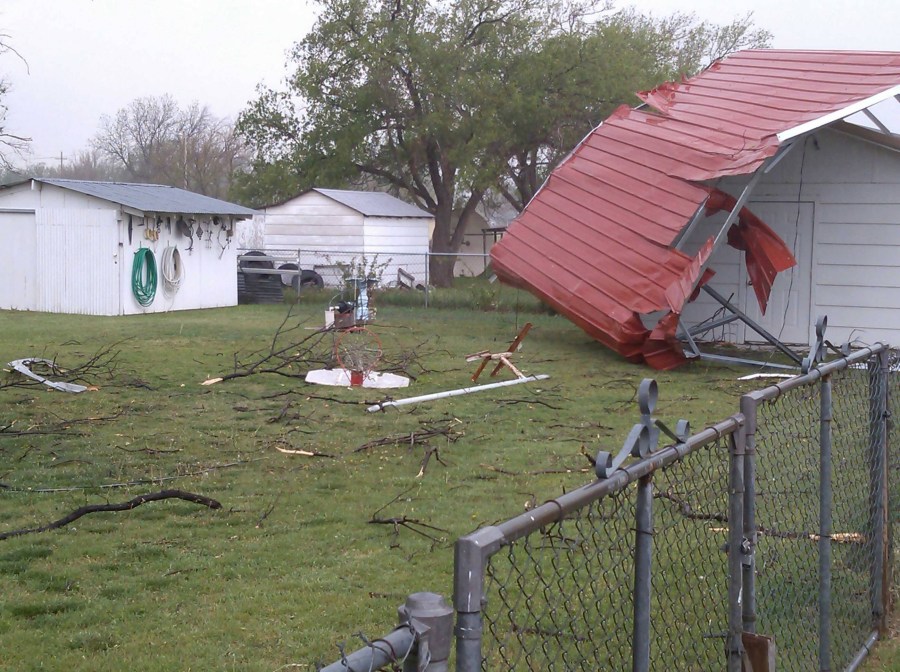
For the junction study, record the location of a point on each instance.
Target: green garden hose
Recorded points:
(143, 276)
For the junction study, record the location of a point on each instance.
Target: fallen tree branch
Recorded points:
(413, 438)
(305, 453)
(139, 481)
(412, 524)
(124, 506)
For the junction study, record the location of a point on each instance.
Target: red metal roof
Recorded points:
(597, 241)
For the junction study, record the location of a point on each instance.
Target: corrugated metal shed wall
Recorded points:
(77, 269)
(17, 260)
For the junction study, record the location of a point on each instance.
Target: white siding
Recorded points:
(322, 234)
(314, 222)
(210, 273)
(854, 188)
(77, 263)
(18, 258)
(73, 255)
(398, 243)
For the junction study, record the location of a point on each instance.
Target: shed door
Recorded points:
(788, 313)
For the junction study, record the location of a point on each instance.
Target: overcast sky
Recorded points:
(86, 58)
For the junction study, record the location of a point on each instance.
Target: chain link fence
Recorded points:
(264, 272)
(763, 539)
(771, 523)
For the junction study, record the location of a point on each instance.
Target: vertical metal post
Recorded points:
(749, 406)
(825, 521)
(470, 554)
(432, 619)
(643, 557)
(878, 371)
(734, 645)
(427, 270)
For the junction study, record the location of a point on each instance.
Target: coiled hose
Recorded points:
(172, 270)
(143, 276)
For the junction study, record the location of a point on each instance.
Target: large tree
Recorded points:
(154, 140)
(443, 100)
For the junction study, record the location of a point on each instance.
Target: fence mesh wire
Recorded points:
(561, 598)
(788, 490)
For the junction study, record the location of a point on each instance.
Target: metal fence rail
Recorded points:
(765, 536)
(774, 521)
(568, 584)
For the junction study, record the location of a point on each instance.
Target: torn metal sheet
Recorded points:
(598, 243)
(22, 366)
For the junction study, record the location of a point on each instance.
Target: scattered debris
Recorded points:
(501, 357)
(754, 376)
(380, 406)
(23, 366)
(411, 524)
(124, 506)
(344, 378)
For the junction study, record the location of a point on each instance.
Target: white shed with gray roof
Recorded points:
(324, 229)
(72, 246)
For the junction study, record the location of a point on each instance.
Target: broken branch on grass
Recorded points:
(538, 472)
(512, 402)
(140, 481)
(305, 453)
(413, 438)
(290, 359)
(412, 524)
(686, 510)
(124, 506)
(102, 364)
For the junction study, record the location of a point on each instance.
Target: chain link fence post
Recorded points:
(643, 559)
(734, 644)
(470, 555)
(825, 523)
(878, 377)
(749, 405)
(427, 274)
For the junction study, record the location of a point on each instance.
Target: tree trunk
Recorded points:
(440, 269)
(442, 260)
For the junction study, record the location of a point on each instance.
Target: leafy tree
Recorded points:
(444, 100)
(154, 140)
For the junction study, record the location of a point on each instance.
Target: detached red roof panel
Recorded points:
(596, 242)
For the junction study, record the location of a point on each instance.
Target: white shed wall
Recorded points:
(210, 272)
(313, 222)
(326, 234)
(851, 190)
(18, 259)
(77, 268)
(72, 255)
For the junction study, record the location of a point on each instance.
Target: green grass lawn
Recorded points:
(292, 563)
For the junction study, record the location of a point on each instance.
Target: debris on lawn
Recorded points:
(411, 524)
(23, 366)
(344, 378)
(124, 506)
(380, 406)
(501, 357)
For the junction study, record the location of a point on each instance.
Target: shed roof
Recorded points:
(599, 240)
(153, 197)
(374, 203)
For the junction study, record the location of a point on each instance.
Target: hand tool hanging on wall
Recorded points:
(130, 226)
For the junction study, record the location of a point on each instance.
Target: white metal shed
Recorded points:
(69, 246)
(326, 228)
(835, 201)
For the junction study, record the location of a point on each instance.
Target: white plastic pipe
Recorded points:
(455, 393)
